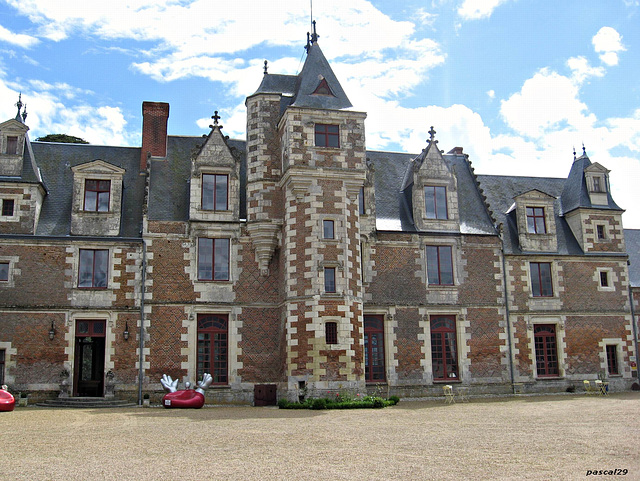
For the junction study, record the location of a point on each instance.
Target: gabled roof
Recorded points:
(575, 194)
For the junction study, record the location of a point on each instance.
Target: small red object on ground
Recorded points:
(7, 401)
(188, 398)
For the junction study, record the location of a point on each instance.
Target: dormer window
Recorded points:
(12, 145)
(435, 201)
(535, 220)
(327, 135)
(597, 184)
(215, 192)
(323, 89)
(96, 195)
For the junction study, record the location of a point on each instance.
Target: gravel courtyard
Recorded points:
(550, 437)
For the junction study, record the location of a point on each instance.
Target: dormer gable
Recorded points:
(434, 193)
(215, 180)
(536, 221)
(97, 199)
(597, 180)
(13, 135)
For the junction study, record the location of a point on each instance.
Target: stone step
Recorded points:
(85, 402)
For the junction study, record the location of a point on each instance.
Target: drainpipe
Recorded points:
(507, 312)
(141, 333)
(634, 327)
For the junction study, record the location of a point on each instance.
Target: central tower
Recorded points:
(306, 167)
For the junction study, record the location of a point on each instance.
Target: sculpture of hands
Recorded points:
(168, 383)
(205, 383)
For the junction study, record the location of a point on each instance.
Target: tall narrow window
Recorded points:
(12, 145)
(328, 229)
(96, 195)
(2, 361)
(361, 202)
(546, 350)
(439, 265)
(7, 207)
(213, 259)
(374, 370)
(213, 347)
(4, 271)
(329, 279)
(601, 232)
(541, 284)
(444, 348)
(604, 279)
(93, 268)
(435, 201)
(327, 135)
(215, 192)
(331, 332)
(612, 359)
(535, 220)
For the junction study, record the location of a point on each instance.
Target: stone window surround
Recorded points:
(228, 171)
(559, 323)
(340, 281)
(190, 323)
(462, 349)
(436, 185)
(605, 230)
(602, 353)
(82, 178)
(13, 272)
(554, 278)
(110, 336)
(455, 253)
(229, 263)
(75, 270)
(16, 208)
(610, 277)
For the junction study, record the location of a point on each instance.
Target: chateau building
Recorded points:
(297, 262)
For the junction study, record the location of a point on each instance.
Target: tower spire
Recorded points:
(19, 105)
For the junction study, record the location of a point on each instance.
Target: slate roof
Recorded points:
(575, 193)
(501, 191)
(55, 161)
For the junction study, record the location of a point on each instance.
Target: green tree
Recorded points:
(62, 138)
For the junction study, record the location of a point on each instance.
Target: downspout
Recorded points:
(141, 332)
(634, 326)
(507, 312)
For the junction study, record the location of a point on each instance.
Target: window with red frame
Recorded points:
(213, 347)
(374, 370)
(612, 359)
(7, 207)
(215, 192)
(327, 135)
(546, 350)
(444, 348)
(213, 259)
(435, 201)
(439, 265)
(93, 268)
(331, 332)
(541, 282)
(535, 220)
(96, 195)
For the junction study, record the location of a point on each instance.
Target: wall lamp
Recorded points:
(125, 334)
(52, 332)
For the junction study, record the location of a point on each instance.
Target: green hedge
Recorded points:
(325, 403)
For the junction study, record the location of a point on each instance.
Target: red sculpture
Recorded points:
(185, 398)
(7, 401)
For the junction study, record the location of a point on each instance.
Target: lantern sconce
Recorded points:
(125, 334)
(52, 331)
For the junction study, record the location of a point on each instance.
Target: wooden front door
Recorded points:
(265, 395)
(89, 358)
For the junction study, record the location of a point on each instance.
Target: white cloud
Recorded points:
(491, 94)
(608, 42)
(478, 9)
(17, 39)
(581, 69)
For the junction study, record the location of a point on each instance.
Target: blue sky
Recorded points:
(517, 83)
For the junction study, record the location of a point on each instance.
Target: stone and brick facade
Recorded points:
(296, 258)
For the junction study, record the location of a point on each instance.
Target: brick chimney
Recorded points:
(455, 150)
(155, 116)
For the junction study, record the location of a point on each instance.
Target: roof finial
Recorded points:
(19, 105)
(574, 152)
(584, 151)
(265, 67)
(314, 35)
(24, 113)
(432, 135)
(215, 118)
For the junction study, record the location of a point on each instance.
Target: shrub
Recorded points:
(320, 403)
(394, 399)
(283, 403)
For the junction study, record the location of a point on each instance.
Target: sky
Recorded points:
(519, 84)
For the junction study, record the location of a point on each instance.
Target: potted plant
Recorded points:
(145, 400)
